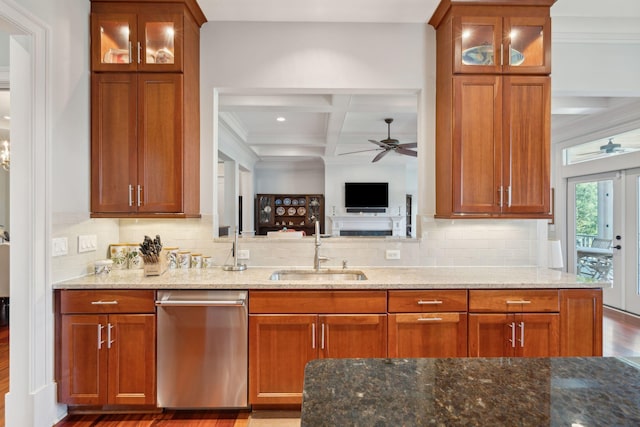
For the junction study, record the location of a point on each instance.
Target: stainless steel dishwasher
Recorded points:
(202, 349)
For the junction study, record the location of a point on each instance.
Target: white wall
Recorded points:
(602, 69)
(292, 180)
(395, 174)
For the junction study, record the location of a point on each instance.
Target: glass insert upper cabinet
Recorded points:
(136, 42)
(502, 45)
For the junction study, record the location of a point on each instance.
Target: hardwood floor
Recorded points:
(620, 333)
(621, 337)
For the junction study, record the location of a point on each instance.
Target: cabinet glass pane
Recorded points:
(477, 44)
(159, 40)
(114, 42)
(527, 47)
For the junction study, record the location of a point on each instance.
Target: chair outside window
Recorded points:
(597, 263)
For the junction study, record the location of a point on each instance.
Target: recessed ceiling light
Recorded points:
(281, 119)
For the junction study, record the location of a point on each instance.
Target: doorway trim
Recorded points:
(32, 397)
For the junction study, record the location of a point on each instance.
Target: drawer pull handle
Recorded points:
(104, 302)
(422, 302)
(429, 319)
(518, 302)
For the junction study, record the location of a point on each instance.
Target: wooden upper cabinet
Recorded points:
(526, 145)
(496, 44)
(145, 108)
(137, 36)
(137, 154)
(493, 108)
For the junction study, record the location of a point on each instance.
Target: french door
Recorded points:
(603, 234)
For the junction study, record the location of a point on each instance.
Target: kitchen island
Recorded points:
(472, 392)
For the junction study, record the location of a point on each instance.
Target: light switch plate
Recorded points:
(59, 246)
(87, 243)
(243, 254)
(392, 254)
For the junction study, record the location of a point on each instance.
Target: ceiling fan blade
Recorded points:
(380, 144)
(379, 156)
(407, 152)
(360, 151)
(409, 145)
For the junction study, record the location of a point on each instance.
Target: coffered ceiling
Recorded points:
(333, 123)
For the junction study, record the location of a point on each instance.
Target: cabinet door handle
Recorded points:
(130, 57)
(100, 341)
(502, 55)
(104, 302)
(509, 196)
(313, 335)
(521, 334)
(501, 196)
(429, 319)
(139, 195)
(422, 302)
(512, 325)
(139, 50)
(130, 195)
(322, 338)
(109, 340)
(520, 301)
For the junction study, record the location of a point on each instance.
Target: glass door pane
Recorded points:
(594, 221)
(159, 42)
(631, 243)
(526, 46)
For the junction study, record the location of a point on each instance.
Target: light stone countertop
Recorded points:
(377, 278)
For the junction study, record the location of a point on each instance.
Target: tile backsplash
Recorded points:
(443, 243)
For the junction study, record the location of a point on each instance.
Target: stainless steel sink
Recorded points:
(318, 275)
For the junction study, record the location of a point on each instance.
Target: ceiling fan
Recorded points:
(608, 148)
(389, 144)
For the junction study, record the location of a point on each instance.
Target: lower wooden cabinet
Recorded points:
(106, 358)
(428, 323)
(514, 335)
(580, 322)
(514, 323)
(281, 344)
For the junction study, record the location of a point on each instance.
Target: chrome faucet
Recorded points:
(316, 257)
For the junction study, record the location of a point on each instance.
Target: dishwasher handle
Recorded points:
(201, 303)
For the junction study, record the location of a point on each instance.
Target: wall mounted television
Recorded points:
(366, 194)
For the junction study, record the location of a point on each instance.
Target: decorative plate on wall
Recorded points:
(287, 201)
(291, 211)
(302, 202)
(280, 210)
(301, 211)
(294, 202)
(278, 202)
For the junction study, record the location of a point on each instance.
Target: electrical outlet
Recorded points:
(243, 254)
(392, 254)
(59, 246)
(87, 243)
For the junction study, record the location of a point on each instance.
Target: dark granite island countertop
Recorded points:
(574, 392)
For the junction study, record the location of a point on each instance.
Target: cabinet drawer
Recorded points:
(516, 300)
(107, 301)
(427, 301)
(317, 302)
